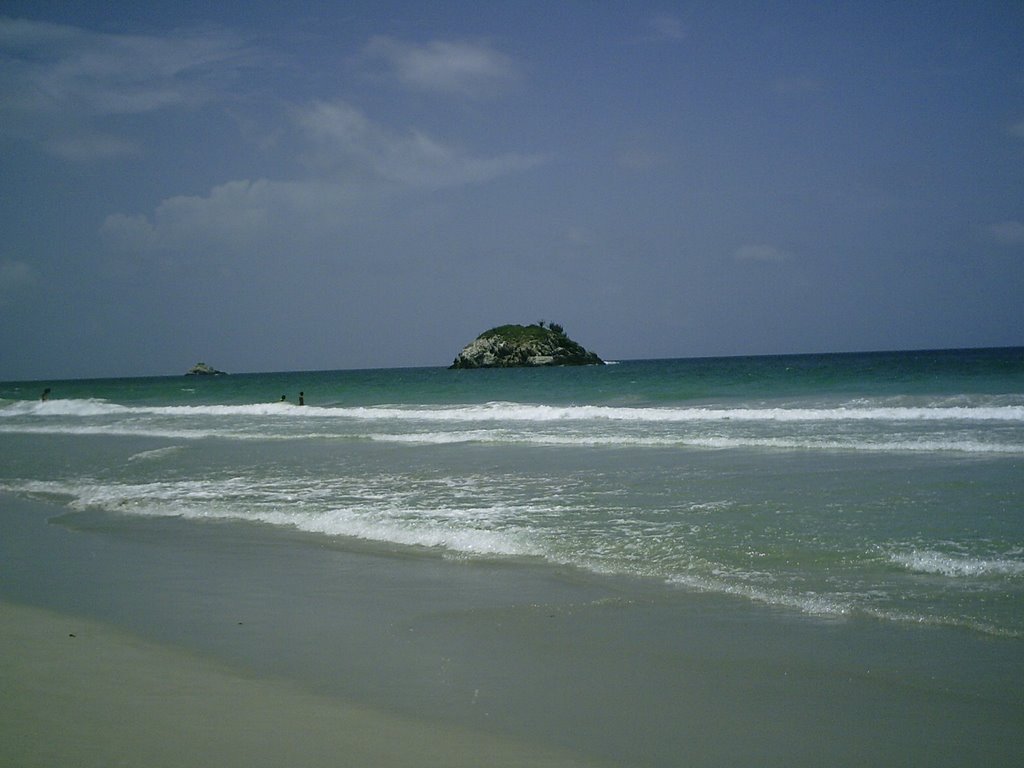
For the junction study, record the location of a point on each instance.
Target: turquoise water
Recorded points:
(885, 486)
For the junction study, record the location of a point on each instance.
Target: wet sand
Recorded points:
(78, 692)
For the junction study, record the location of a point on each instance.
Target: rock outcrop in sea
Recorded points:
(523, 346)
(202, 369)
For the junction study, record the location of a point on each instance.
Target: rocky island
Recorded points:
(523, 346)
(202, 369)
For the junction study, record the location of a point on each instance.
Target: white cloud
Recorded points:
(52, 67)
(451, 67)
(762, 253)
(346, 140)
(663, 27)
(1007, 232)
(357, 165)
(58, 79)
(236, 216)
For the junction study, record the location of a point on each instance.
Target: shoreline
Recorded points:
(507, 664)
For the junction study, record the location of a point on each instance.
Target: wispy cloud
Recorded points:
(1007, 232)
(1017, 129)
(57, 80)
(356, 163)
(662, 27)
(346, 140)
(238, 217)
(15, 276)
(451, 67)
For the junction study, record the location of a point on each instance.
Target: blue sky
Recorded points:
(271, 186)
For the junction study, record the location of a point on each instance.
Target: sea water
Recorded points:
(886, 487)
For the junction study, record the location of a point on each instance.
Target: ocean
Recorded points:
(885, 485)
(874, 493)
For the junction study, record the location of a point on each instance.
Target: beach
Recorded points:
(226, 648)
(78, 692)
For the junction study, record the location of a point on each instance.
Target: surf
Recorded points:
(512, 411)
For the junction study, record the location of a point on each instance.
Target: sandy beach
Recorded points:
(164, 642)
(78, 692)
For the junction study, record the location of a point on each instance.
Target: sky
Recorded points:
(269, 186)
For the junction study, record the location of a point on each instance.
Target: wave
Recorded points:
(510, 411)
(508, 437)
(113, 431)
(958, 566)
(835, 607)
(492, 412)
(713, 443)
(79, 408)
(979, 429)
(202, 500)
(97, 407)
(156, 453)
(491, 529)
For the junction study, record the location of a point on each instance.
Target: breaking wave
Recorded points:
(506, 411)
(959, 566)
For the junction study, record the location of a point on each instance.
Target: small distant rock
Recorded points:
(202, 369)
(524, 346)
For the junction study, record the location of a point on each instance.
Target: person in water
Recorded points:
(46, 395)
(302, 398)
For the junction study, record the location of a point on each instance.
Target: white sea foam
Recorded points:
(808, 602)
(513, 412)
(97, 407)
(430, 534)
(881, 444)
(519, 437)
(547, 413)
(459, 530)
(715, 443)
(117, 430)
(835, 607)
(958, 566)
(53, 408)
(156, 453)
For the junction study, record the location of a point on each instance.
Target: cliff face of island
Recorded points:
(202, 369)
(523, 346)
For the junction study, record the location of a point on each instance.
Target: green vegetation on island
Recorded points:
(522, 346)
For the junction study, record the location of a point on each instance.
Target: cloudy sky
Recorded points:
(319, 185)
